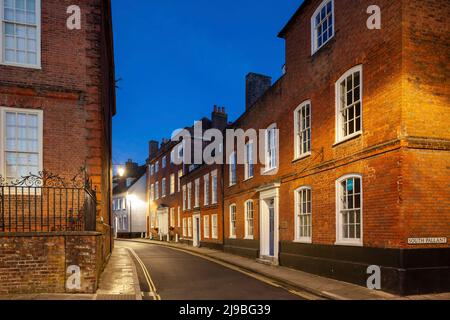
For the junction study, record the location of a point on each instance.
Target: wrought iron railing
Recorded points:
(47, 203)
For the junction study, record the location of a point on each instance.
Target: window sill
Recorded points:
(270, 171)
(304, 241)
(19, 65)
(302, 157)
(231, 185)
(249, 238)
(232, 237)
(248, 179)
(347, 139)
(349, 243)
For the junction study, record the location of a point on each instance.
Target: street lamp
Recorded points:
(121, 171)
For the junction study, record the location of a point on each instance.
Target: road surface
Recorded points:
(170, 274)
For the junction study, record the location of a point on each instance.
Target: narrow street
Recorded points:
(177, 275)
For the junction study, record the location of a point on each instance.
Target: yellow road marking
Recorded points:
(303, 295)
(149, 280)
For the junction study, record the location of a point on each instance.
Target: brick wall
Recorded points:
(37, 263)
(75, 90)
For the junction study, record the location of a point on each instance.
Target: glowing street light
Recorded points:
(121, 171)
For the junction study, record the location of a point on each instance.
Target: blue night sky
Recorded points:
(177, 58)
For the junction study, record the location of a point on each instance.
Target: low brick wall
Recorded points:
(38, 262)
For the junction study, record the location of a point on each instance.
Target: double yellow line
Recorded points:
(149, 280)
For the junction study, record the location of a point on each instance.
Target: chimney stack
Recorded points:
(153, 148)
(219, 118)
(255, 87)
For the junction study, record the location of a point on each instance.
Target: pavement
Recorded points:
(318, 287)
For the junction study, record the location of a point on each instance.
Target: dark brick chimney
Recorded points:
(219, 118)
(153, 147)
(255, 86)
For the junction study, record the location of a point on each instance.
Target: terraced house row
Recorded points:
(357, 154)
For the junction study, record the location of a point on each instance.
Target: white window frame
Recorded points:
(152, 170)
(184, 198)
(152, 192)
(179, 218)
(40, 119)
(197, 193)
(339, 119)
(269, 165)
(156, 166)
(206, 187)
(164, 162)
(157, 190)
(249, 236)
(214, 186)
(190, 227)
(340, 240)
(184, 228)
(180, 174)
(172, 184)
(233, 220)
(214, 226)
(299, 129)
(314, 36)
(298, 214)
(38, 39)
(249, 161)
(163, 188)
(206, 228)
(233, 168)
(172, 217)
(189, 196)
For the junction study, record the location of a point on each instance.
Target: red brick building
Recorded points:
(180, 193)
(363, 149)
(357, 150)
(57, 99)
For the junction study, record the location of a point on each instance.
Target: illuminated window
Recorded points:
(303, 215)
(233, 221)
(206, 227)
(249, 218)
(349, 215)
(214, 226)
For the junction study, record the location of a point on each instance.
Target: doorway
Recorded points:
(269, 237)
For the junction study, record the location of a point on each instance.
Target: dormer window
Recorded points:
(322, 25)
